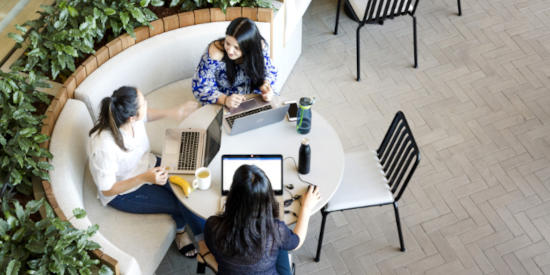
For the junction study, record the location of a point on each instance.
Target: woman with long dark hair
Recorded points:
(126, 173)
(247, 238)
(233, 66)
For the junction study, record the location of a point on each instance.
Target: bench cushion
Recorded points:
(146, 237)
(68, 147)
(153, 63)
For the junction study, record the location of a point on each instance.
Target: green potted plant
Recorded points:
(45, 246)
(69, 30)
(20, 154)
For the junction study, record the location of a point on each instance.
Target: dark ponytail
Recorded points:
(115, 111)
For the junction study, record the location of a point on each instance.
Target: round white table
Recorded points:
(326, 170)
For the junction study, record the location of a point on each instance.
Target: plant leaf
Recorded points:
(70, 50)
(83, 26)
(49, 211)
(4, 227)
(27, 132)
(19, 212)
(18, 38)
(13, 267)
(109, 11)
(38, 138)
(157, 3)
(79, 213)
(137, 14)
(17, 95)
(105, 270)
(125, 18)
(72, 11)
(21, 29)
(34, 205)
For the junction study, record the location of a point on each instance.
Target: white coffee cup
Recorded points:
(203, 178)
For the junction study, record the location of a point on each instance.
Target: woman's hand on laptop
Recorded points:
(267, 92)
(156, 175)
(234, 100)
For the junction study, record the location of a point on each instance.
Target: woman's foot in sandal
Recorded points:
(205, 257)
(185, 245)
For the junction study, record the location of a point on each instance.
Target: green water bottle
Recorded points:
(303, 120)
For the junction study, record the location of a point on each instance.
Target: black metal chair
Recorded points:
(459, 8)
(378, 177)
(375, 12)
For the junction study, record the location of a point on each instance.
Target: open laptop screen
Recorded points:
(213, 138)
(272, 165)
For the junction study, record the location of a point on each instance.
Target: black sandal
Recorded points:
(188, 248)
(202, 263)
(184, 250)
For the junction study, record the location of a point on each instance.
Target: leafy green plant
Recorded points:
(188, 5)
(46, 246)
(69, 29)
(20, 135)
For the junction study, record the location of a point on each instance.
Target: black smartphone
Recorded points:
(292, 111)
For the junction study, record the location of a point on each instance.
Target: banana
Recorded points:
(181, 182)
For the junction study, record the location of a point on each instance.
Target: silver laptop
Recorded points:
(272, 165)
(251, 114)
(185, 150)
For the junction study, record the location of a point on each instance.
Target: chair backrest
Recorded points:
(378, 10)
(396, 154)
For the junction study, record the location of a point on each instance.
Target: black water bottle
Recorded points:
(304, 157)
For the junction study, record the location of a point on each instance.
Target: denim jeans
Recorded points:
(283, 264)
(159, 199)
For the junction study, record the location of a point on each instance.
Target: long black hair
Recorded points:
(115, 111)
(250, 40)
(248, 222)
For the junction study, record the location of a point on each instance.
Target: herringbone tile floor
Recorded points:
(479, 106)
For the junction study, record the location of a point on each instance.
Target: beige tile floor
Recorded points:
(479, 106)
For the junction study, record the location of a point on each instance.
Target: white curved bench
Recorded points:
(161, 67)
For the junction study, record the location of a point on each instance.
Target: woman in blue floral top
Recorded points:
(233, 66)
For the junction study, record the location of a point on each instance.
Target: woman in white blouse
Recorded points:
(127, 175)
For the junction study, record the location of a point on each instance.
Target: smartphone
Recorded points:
(292, 112)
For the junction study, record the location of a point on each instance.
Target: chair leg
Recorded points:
(459, 8)
(321, 234)
(414, 41)
(398, 221)
(358, 51)
(338, 16)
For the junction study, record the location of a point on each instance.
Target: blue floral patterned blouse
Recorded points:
(210, 79)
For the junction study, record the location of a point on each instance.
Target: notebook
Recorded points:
(185, 150)
(252, 114)
(272, 165)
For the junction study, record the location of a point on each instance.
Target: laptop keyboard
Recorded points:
(188, 150)
(231, 119)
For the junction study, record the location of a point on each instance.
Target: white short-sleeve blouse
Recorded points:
(109, 163)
